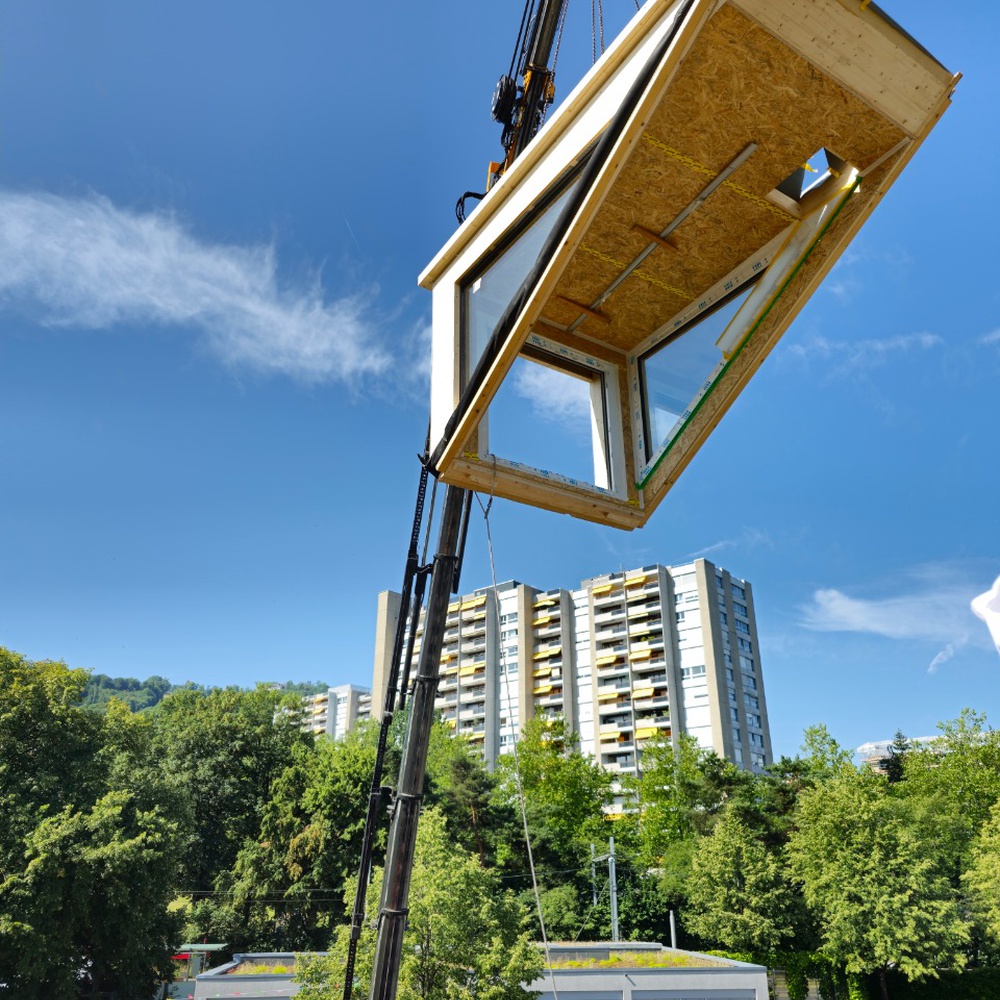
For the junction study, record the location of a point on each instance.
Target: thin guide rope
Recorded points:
(517, 760)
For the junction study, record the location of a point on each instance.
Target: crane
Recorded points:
(523, 94)
(520, 101)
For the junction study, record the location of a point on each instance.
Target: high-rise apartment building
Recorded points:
(626, 658)
(337, 711)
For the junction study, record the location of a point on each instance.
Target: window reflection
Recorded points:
(486, 297)
(676, 374)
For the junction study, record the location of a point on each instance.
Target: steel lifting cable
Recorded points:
(517, 761)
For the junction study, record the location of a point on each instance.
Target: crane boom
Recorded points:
(522, 110)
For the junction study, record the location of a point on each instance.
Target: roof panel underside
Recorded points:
(738, 85)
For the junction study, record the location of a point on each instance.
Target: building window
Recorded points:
(751, 702)
(739, 592)
(718, 582)
(697, 671)
(742, 627)
(730, 676)
(745, 644)
(508, 619)
(737, 735)
(724, 618)
(756, 739)
(735, 714)
(740, 609)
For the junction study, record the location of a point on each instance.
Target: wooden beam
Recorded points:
(586, 310)
(654, 237)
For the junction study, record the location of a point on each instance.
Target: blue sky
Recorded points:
(213, 363)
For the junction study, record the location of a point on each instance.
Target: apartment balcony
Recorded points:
(547, 632)
(553, 700)
(610, 634)
(545, 602)
(626, 762)
(609, 615)
(619, 726)
(473, 713)
(615, 670)
(651, 704)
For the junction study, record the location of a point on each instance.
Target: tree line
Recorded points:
(213, 816)
(101, 689)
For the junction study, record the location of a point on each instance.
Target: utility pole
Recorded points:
(613, 878)
(593, 876)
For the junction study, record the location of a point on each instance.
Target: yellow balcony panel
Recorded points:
(544, 654)
(604, 588)
(640, 654)
(542, 672)
(542, 620)
(608, 695)
(644, 732)
(603, 661)
(642, 692)
(636, 581)
(467, 671)
(545, 602)
(543, 689)
(476, 602)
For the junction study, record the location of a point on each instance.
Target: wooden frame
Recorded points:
(722, 101)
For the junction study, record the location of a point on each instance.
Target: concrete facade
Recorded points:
(625, 658)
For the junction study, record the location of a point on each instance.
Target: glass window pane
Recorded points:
(488, 294)
(677, 374)
(541, 418)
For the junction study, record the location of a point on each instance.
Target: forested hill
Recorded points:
(138, 694)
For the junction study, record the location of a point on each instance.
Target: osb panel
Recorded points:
(738, 85)
(764, 338)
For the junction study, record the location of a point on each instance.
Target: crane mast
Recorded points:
(520, 107)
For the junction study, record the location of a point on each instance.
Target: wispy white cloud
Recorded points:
(993, 337)
(748, 538)
(931, 604)
(847, 357)
(553, 395)
(847, 278)
(83, 262)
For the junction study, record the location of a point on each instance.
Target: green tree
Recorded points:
(565, 795)
(953, 783)
(464, 937)
(982, 878)
(681, 793)
(738, 894)
(877, 889)
(286, 886)
(85, 834)
(895, 761)
(226, 747)
(565, 791)
(459, 784)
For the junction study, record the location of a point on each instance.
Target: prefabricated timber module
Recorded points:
(663, 229)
